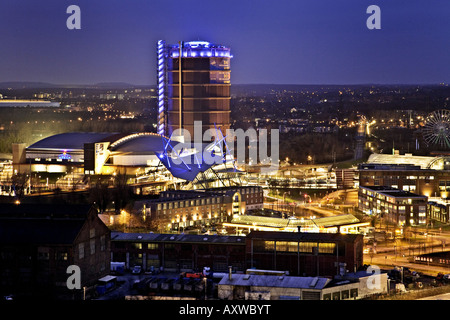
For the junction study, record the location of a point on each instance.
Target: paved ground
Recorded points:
(445, 296)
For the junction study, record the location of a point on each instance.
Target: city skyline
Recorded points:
(285, 42)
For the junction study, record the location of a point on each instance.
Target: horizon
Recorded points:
(48, 85)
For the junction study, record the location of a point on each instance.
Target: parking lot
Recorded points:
(162, 284)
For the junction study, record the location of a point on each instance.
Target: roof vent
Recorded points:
(172, 238)
(314, 282)
(205, 239)
(246, 277)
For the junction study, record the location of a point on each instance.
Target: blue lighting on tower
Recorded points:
(161, 87)
(193, 49)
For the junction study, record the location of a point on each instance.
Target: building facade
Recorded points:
(406, 177)
(286, 251)
(304, 254)
(193, 85)
(178, 252)
(38, 242)
(266, 287)
(396, 206)
(184, 209)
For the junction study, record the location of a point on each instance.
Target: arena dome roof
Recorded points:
(71, 140)
(142, 143)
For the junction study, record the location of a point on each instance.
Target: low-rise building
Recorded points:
(304, 253)
(396, 206)
(438, 210)
(178, 252)
(38, 242)
(297, 253)
(180, 209)
(267, 287)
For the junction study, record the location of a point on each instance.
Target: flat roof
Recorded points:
(313, 283)
(407, 159)
(304, 236)
(186, 238)
(393, 192)
(277, 222)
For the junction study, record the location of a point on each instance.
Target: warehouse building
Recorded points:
(39, 241)
(356, 285)
(304, 254)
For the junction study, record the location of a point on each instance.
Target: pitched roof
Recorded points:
(41, 223)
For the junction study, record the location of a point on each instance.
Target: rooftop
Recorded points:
(306, 236)
(407, 159)
(185, 238)
(41, 223)
(71, 140)
(282, 223)
(317, 283)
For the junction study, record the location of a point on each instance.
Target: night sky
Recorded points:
(280, 42)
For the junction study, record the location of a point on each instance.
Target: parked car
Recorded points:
(136, 270)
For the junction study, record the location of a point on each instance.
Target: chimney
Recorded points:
(230, 273)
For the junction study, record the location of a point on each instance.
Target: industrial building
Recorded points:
(276, 287)
(193, 81)
(39, 241)
(304, 253)
(178, 252)
(298, 253)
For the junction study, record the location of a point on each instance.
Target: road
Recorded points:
(444, 296)
(386, 255)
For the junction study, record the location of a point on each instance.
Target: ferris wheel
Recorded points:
(437, 128)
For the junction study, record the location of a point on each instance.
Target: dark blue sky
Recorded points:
(273, 41)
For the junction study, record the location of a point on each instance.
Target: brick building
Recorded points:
(303, 253)
(39, 241)
(178, 252)
(183, 209)
(287, 251)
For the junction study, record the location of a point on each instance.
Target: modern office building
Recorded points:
(428, 176)
(396, 206)
(193, 81)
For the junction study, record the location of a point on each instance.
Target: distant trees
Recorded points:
(323, 148)
(100, 195)
(19, 183)
(121, 193)
(105, 192)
